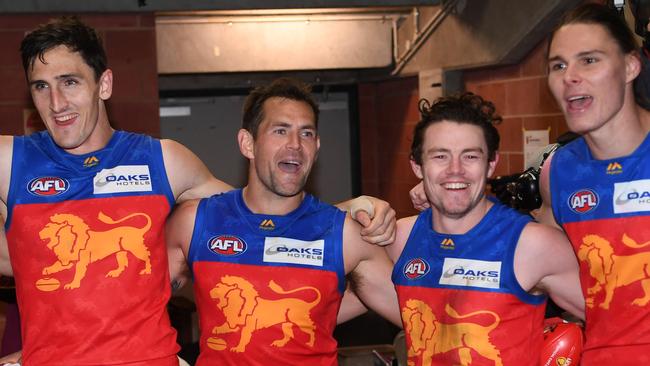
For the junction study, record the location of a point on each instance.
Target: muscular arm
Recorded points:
(188, 176)
(404, 226)
(351, 307)
(178, 233)
(375, 215)
(544, 261)
(371, 269)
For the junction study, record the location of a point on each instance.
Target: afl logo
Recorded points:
(416, 268)
(48, 186)
(227, 245)
(583, 201)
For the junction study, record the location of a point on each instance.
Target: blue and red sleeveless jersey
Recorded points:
(268, 288)
(85, 235)
(604, 207)
(459, 298)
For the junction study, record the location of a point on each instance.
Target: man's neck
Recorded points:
(620, 136)
(460, 225)
(260, 200)
(97, 140)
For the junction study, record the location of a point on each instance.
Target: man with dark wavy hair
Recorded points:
(471, 274)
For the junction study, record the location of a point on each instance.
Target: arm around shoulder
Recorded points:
(370, 270)
(188, 176)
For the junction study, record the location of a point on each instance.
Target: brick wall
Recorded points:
(130, 43)
(522, 98)
(388, 112)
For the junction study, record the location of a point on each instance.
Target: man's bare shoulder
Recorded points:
(539, 239)
(188, 176)
(404, 227)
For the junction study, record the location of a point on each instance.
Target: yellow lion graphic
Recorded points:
(429, 336)
(612, 271)
(74, 244)
(247, 312)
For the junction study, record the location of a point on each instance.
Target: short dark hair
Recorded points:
(66, 31)
(283, 88)
(466, 108)
(605, 16)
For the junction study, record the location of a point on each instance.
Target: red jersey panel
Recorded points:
(90, 272)
(615, 276)
(469, 328)
(260, 315)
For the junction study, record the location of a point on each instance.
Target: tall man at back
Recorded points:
(597, 186)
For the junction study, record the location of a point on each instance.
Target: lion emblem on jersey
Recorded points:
(613, 271)
(76, 245)
(247, 312)
(429, 336)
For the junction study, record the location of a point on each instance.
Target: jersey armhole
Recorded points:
(159, 162)
(193, 250)
(18, 144)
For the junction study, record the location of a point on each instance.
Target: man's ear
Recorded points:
(417, 169)
(492, 165)
(632, 66)
(246, 144)
(106, 84)
(317, 147)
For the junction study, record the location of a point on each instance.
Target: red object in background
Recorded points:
(562, 343)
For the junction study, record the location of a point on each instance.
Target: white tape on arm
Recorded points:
(361, 203)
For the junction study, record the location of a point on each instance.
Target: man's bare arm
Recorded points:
(351, 307)
(188, 176)
(545, 261)
(376, 217)
(178, 233)
(545, 213)
(371, 271)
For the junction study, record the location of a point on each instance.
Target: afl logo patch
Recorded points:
(227, 245)
(416, 268)
(48, 186)
(583, 201)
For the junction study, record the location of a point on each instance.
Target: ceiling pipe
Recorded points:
(436, 20)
